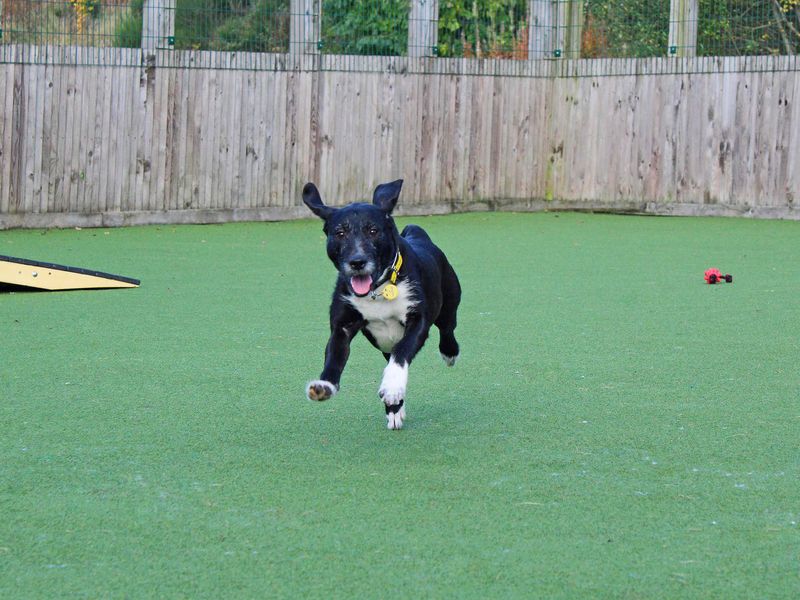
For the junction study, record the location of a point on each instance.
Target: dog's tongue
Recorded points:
(361, 284)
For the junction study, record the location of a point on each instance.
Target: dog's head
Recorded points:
(362, 238)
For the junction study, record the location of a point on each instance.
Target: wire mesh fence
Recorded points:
(510, 30)
(228, 25)
(63, 23)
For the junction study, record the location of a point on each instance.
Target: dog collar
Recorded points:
(389, 291)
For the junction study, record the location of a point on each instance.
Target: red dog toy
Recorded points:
(713, 276)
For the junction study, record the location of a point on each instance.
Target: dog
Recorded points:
(392, 287)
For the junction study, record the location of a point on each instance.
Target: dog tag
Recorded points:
(389, 292)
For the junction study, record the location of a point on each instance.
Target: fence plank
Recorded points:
(30, 98)
(231, 163)
(130, 142)
(450, 107)
(204, 153)
(102, 151)
(289, 129)
(190, 190)
(274, 124)
(220, 178)
(6, 106)
(119, 139)
(74, 118)
(18, 138)
(791, 192)
(85, 135)
(260, 141)
(70, 116)
(767, 136)
(92, 151)
(300, 166)
(180, 188)
(159, 114)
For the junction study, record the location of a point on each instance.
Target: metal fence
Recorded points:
(521, 31)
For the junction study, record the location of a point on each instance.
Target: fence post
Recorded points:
(158, 25)
(570, 27)
(683, 16)
(304, 26)
(423, 27)
(555, 28)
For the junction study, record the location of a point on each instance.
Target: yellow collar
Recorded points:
(389, 291)
(398, 262)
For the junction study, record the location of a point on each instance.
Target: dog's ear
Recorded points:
(312, 200)
(386, 194)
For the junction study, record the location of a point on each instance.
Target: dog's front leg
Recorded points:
(395, 375)
(336, 353)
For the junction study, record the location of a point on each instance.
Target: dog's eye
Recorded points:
(339, 233)
(373, 231)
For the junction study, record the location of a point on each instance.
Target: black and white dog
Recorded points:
(392, 287)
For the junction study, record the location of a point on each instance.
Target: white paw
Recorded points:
(395, 420)
(392, 395)
(393, 385)
(449, 360)
(320, 390)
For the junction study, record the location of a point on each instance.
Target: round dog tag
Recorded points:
(389, 292)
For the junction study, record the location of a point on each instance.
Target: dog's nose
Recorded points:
(358, 263)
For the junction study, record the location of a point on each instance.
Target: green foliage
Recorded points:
(91, 8)
(472, 28)
(197, 20)
(262, 28)
(494, 28)
(745, 27)
(365, 27)
(638, 28)
(128, 32)
(66, 22)
(252, 25)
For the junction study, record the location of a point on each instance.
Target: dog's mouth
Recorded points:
(361, 284)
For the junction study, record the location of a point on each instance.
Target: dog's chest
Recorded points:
(386, 319)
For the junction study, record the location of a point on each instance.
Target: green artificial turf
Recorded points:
(615, 428)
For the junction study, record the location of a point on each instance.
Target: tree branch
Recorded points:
(783, 21)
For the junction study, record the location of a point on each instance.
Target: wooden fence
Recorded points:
(116, 144)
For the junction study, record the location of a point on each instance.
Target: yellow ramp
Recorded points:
(49, 276)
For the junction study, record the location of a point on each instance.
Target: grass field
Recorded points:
(615, 427)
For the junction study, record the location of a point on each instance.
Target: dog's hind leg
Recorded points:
(448, 346)
(447, 320)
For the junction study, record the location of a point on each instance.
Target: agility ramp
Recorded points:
(50, 276)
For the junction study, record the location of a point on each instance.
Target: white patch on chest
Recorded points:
(385, 318)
